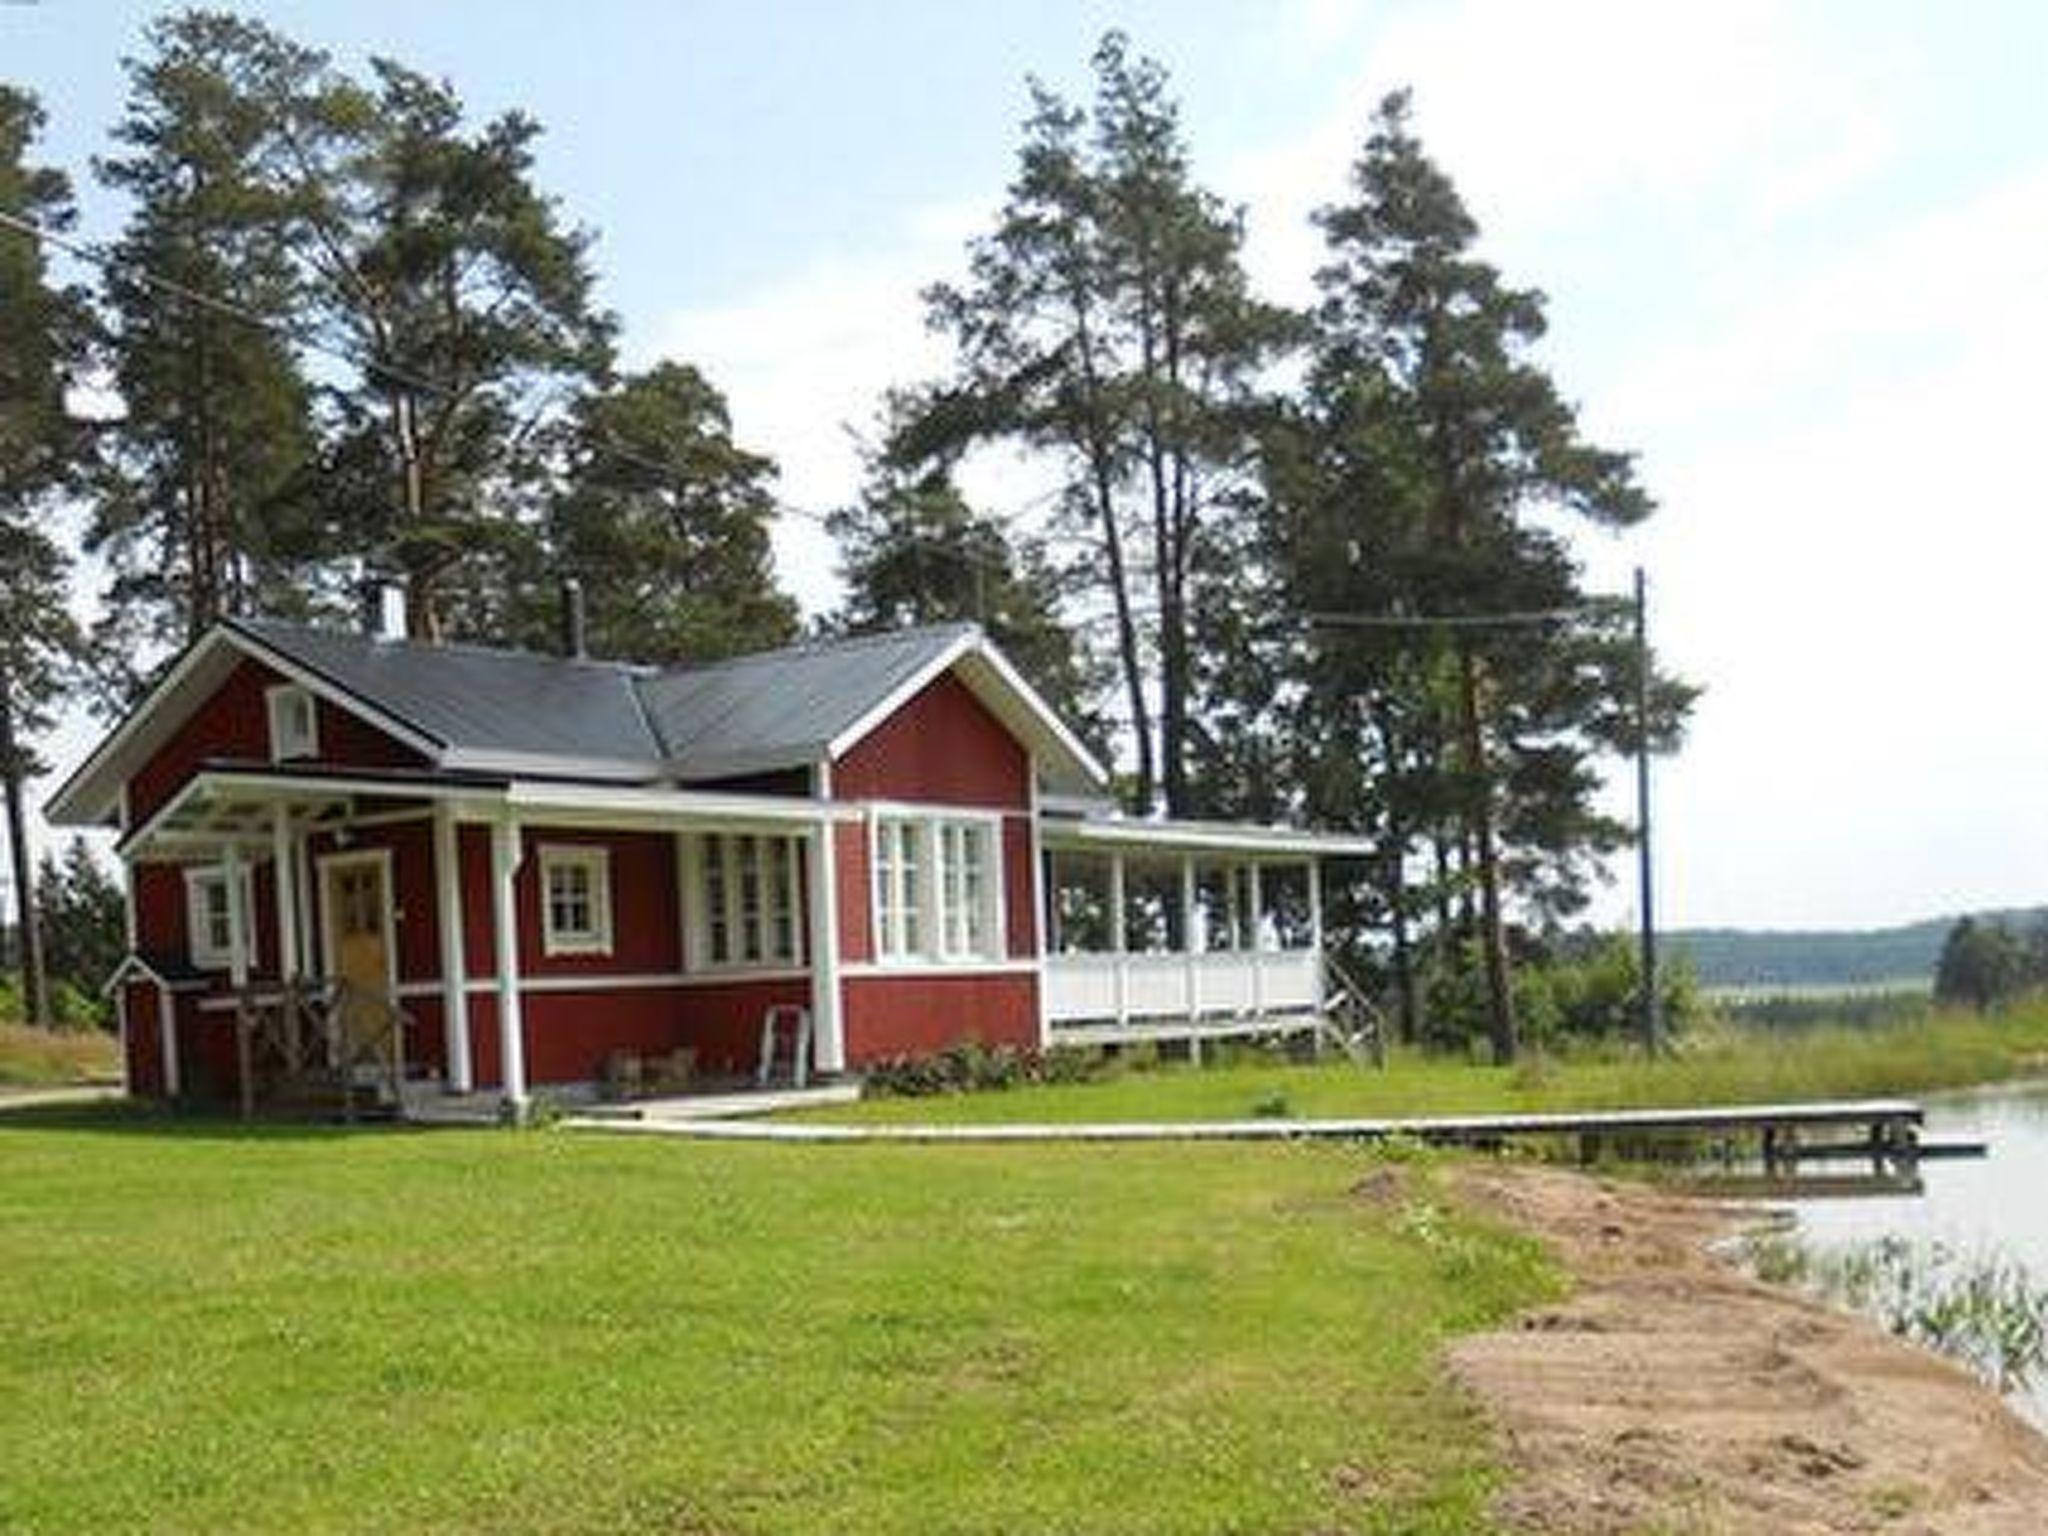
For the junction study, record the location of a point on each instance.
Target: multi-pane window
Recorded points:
(935, 889)
(963, 888)
(576, 904)
(744, 899)
(899, 887)
(209, 923)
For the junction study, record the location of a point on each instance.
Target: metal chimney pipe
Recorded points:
(575, 641)
(382, 608)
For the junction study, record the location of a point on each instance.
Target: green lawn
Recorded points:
(208, 1328)
(1722, 1066)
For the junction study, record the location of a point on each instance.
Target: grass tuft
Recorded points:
(45, 1058)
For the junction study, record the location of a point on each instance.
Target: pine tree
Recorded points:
(664, 519)
(1106, 324)
(1446, 436)
(206, 511)
(912, 551)
(45, 346)
(84, 918)
(434, 262)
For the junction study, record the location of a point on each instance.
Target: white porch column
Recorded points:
(1116, 936)
(167, 1039)
(231, 866)
(828, 1028)
(302, 885)
(290, 961)
(1258, 936)
(1315, 925)
(505, 857)
(454, 972)
(1191, 934)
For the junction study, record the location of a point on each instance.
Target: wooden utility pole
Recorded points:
(1653, 1019)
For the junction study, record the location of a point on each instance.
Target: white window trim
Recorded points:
(925, 822)
(198, 946)
(276, 701)
(696, 916)
(597, 861)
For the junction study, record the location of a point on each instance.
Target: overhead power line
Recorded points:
(1508, 620)
(405, 378)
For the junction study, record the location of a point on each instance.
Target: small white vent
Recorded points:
(294, 724)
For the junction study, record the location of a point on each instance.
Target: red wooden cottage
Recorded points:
(552, 860)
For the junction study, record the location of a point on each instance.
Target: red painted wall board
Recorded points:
(942, 746)
(141, 1041)
(569, 1034)
(234, 723)
(1020, 910)
(916, 1015)
(159, 908)
(856, 928)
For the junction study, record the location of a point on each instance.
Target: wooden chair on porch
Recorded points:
(368, 1031)
(304, 1044)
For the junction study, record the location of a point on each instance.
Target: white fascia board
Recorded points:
(581, 803)
(1045, 715)
(1222, 837)
(728, 765)
(617, 770)
(85, 799)
(972, 643)
(340, 697)
(275, 786)
(81, 800)
(900, 695)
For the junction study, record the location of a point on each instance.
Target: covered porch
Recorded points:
(1164, 930)
(480, 916)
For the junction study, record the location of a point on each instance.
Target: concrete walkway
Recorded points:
(1770, 1119)
(29, 1098)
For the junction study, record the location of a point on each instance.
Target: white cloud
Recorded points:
(804, 362)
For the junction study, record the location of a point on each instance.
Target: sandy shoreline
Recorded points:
(1672, 1393)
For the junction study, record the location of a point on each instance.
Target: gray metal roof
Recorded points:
(474, 700)
(765, 710)
(784, 706)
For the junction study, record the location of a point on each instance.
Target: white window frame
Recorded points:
(286, 743)
(758, 928)
(596, 863)
(942, 926)
(199, 945)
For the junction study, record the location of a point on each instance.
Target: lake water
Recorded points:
(1994, 1204)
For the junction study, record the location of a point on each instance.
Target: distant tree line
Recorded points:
(349, 335)
(84, 934)
(1985, 961)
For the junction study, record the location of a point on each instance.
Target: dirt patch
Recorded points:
(1674, 1393)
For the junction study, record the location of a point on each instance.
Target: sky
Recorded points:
(1796, 259)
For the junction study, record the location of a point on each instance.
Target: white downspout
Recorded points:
(454, 972)
(828, 1029)
(505, 859)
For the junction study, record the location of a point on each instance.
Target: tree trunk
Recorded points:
(34, 987)
(1404, 959)
(1500, 1001)
(1129, 661)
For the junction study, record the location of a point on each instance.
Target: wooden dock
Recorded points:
(1886, 1131)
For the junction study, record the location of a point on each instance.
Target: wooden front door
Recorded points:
(356, 892)
(359, 922)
